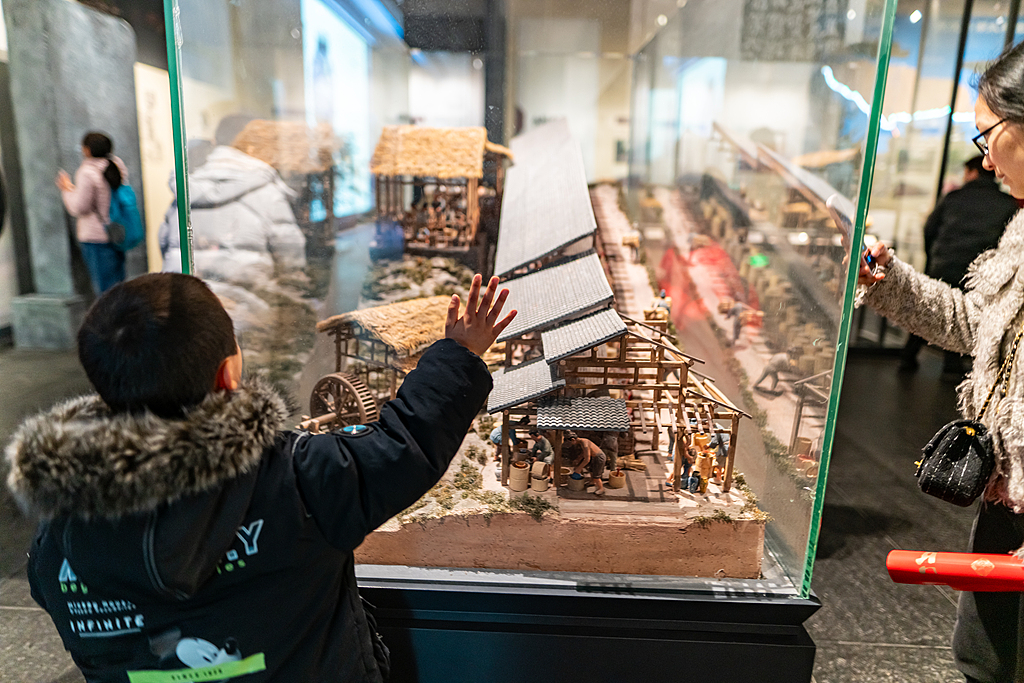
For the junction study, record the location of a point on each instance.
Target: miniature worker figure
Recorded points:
(693, 482)
(720, 442)
(495, 439)
(662, 303)
(587, 456)
(689, 456)
(541, 449)
(736, 313)
(780, 362)
(610, 448)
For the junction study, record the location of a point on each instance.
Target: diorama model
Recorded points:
(599, 385)
(445, 169)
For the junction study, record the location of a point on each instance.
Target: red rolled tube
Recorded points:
(961, 571)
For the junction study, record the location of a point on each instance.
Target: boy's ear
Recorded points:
(225, 381)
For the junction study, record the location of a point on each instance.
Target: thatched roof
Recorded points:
(407, 327)
(289, 146)
(432, 152)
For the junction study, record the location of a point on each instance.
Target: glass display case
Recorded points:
(670, 191)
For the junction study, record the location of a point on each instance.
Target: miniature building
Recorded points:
(373, 349)
(571, 361)
(444, 167)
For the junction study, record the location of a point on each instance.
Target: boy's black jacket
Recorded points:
(219, 540)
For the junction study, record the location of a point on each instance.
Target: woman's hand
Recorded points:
(880, 253)
(479, 325)
(63, 182)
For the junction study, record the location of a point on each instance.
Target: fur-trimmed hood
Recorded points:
(78, 458)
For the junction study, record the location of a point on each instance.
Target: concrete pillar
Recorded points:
(71, 71)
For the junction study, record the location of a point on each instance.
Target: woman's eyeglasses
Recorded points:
(981, 142)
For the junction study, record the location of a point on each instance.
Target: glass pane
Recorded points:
(352, 164)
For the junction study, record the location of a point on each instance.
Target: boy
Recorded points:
(184, 535)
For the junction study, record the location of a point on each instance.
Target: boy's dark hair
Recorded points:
(155, 343)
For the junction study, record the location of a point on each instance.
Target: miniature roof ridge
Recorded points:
(442, 153)
(582, 334)
(524, 382)
(407, 327)
(552, 295)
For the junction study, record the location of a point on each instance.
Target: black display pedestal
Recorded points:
(446, 626)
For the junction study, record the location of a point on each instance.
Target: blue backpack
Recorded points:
(125, 228)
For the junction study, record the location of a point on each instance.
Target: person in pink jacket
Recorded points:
(88, 200)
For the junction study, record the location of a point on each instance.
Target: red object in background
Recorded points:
(961, 571)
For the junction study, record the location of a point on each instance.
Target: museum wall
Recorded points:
(446, 89)
(570, 60)
(8, 275)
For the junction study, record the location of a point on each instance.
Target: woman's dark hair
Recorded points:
(1002, 85)
(101, 147)
(155, 343)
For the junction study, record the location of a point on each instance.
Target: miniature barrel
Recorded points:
(577, 484)
(701, 440)
(563, 478)
(519, 476)
(538, 478)
(617, 479)
(802, 447)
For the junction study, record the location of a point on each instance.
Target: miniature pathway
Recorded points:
(751, 351)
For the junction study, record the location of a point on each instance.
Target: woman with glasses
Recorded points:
(982, 321)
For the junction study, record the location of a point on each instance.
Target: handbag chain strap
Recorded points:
(1004, 373)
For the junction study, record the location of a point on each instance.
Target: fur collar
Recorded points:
(79, 458)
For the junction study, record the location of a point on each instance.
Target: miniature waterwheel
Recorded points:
(339, 400)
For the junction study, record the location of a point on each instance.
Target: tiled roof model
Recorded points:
(536, 143)
(522, 383)
(545, 207)
(556, 294)
(601, 414)
(580, 335)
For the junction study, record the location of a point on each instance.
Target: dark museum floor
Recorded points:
(868, 629)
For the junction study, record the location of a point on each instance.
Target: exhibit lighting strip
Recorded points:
(892, 121)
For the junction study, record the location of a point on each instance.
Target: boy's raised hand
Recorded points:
(479, 325)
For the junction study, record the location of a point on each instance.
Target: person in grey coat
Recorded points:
(981, 320)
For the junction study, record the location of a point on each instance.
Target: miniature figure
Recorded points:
(780, 362)
(585, 454)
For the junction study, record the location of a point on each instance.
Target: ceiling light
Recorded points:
(915, 16)
(662, 20)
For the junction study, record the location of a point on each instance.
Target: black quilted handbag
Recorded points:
(959, 459)
(957, 462)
